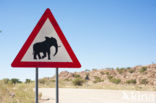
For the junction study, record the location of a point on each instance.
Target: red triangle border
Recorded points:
(17, 61)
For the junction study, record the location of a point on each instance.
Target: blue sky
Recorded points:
(102, 33)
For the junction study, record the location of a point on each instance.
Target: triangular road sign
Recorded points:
(46, 47)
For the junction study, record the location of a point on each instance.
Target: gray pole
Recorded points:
(57, 85)
(36, 86)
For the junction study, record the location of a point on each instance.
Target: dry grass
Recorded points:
(100, 85)
(23, 93)
(16, 93)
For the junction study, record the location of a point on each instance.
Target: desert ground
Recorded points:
(67, 95)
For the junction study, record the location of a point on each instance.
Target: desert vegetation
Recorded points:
(129, 78)
(78, 82)
(135, 78)
(14, 91)
(132, 81)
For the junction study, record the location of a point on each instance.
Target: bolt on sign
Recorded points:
(46, 47)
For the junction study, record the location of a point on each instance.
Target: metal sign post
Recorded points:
(57, 86)
(30, 57)
(36, 86)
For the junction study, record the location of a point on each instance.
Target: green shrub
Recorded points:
(67, 79)
(28, 81)
(78, 82)
(109, 77)
(52, 80)
(97, 79)
(143, 69)
(128, 68)
(6, 80)
(76, 76)
(132, 81)
(144, 81)
(11, 81)
(115, 80)
(120, 71)
(107, 73)
(15, 80)
(131, 71)
(42, 81)
(102, 72)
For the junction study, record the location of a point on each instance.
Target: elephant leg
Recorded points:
(39, 55)
(35, 55)
(48, 54)
(44, 55)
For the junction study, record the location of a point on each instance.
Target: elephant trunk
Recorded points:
(56, 49)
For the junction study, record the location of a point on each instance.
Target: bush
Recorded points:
(97, 79)
(120, 71)
(107, 73)
(76, 76)
(15, 80)
(28, 81)
(78, 82)
(131, 71)
(53, 80)
(109, 77)
(102, 72)
(144, 81)
(6, 80)
(42, 81)
(11, 81)
(143, 69)
(132, 81)
(115, 80)
(67, 79)
(128, 68)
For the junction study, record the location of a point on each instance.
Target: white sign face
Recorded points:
(44, 47)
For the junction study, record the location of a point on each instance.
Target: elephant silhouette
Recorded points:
(44, 47)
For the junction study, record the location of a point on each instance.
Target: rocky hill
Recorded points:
(138, 75)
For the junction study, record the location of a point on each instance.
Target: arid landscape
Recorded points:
(92, 51)
(83, 84)
(138, 75)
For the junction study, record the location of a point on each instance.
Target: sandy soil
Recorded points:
(97, 96)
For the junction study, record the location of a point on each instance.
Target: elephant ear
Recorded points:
(47, 38)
